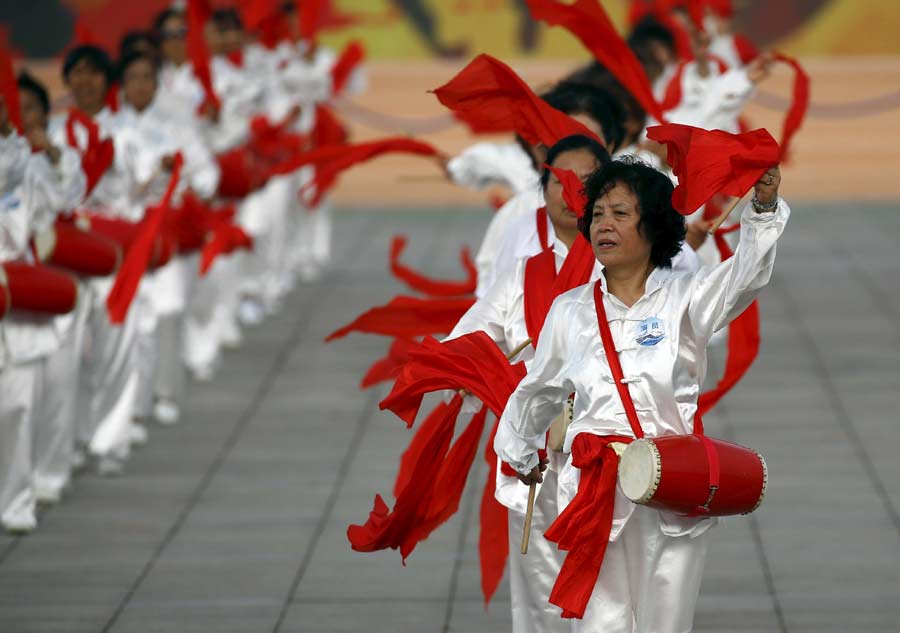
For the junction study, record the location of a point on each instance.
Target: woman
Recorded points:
(501, 314)
(650, 575)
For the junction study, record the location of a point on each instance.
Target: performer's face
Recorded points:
(139, 84)
(583, 163)
(88, 86)
(173, 34)
(33, 115)
(615, 229)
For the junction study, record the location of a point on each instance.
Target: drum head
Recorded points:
(639, 471)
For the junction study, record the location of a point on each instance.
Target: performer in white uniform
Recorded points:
(651, 573)
(586, 104)
(56, 184)
(501, 315)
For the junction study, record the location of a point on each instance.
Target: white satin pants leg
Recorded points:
(649, 582)
(17, 499)
(531, 577)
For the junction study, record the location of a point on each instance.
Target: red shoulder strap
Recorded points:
(612, 357)
(542, 228)
(540, 275)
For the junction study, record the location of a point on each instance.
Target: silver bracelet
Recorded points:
(764, 207)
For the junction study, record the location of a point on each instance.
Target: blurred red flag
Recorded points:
(710, 162)
(799, 103)
(9, 87)
(488, 96)
(587, 21)
(349, 59)
(198, 14)
(408, 317)
(426, 285)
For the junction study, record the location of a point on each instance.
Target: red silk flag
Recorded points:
(573, 189)
(489, 96)
(408, 317)
(426, 285)
(138, 257)
(97, 155)
(226, 238)
(349, 155)
(199, 13)
(9, 88)
(349, 59)
(799, 103)
(709, 162)
(472, 362)
(343, 156)
(389, 366)
(587, 21)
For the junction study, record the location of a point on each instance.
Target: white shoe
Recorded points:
(250, 312)
(310, 273)
(231, 338)
(166, 412)
(20, 527)
(109, 466)
(137, 434)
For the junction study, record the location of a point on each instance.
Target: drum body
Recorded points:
(124, 233)
(85, 252)
(40, 288)
(673, 474)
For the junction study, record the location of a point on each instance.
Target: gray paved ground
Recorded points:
(235, 520)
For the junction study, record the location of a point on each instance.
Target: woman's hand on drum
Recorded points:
(535, 476)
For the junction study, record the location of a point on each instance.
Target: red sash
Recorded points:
(543, 284)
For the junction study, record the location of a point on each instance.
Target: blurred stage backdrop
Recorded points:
(415, 29)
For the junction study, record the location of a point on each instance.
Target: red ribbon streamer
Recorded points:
(138, 257)
(408, 317)
(588, 22)
(427, 285)
(489, 97)
(199, 13)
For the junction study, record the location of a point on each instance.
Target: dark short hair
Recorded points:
(575, 98)
(649, 30)
(135, 56)
(95, 57)
(596, 74)
(163, 16)
(660, 223)
(227, 19)
(130, 40)
(28, 83)
(574, 143)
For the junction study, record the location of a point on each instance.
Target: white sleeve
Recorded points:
(725, 100)
(536, 401)
(721, 293)
(49, 189)
(489, 313)
(484, 164)
(202, 172)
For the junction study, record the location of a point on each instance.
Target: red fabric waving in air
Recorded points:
(493, 537)
(587, 21)
(327, 171)
(426, 285)
(9, 87)
(472, 362)
(488, 96)
(97, 155)
(226, 238)
(388, 367)
(351, 57)
(710, 162)
(799, 103)
(397, 528)
(408, 317)
(199, 13)
(328, 129)
(138, 257)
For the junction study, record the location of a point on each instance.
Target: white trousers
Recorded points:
(17, 500)
(531, 577)
(108, 377)
(648, 583)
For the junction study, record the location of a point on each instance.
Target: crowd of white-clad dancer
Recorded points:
(76, 390)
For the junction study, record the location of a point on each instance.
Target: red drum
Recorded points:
(693, 475)
(85, 252)
(40, 288)
(124, 233)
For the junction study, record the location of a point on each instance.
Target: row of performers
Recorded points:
(142, 228)
(584, 324)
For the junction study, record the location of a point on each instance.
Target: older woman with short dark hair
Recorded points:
(652, 560)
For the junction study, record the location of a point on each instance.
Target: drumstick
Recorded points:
(528, 514)
(718, 221)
